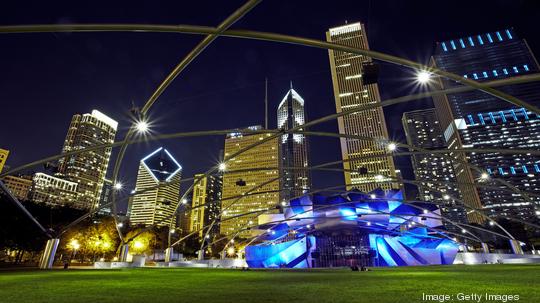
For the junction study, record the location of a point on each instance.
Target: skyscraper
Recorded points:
(485, 57)
(294, 147)
(512, 129)
(422, 129)
(4, 153)
(87, 169)
(206, 204)
(259, 160)
(159, 176)
(351, 90)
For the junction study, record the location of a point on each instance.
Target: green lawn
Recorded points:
(154, 285)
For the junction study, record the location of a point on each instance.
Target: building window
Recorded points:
(480, 40)
(508, 34)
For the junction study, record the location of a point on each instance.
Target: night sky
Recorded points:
(46, 78)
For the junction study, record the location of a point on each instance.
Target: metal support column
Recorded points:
(516, 247)
(169, 253)
(124, 251)
(47, 258)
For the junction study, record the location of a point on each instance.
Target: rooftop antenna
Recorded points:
(266, 103)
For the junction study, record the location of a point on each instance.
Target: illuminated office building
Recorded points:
(506, 129)
(206, 204)
(106, 197)
(260, 187)
(18, 185)
(433, 171)
(294, 147)
(53, 191)
(486, 57)
(158, 182)
(87, 169)
(4, 153)
(351, 90)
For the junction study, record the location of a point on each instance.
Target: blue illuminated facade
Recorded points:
(477, 120)
(508, 129)
(354, 228)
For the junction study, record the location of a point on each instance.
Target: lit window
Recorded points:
(485, 74)
(453, 44)
(495, 73)
(515, 70)
(526, 67)
(480, 40)
(508, 34)
(505, 71)
(475, 76)
(471, 42)
(489, 38)
(462, 43)
(444, 47)
(499, 36)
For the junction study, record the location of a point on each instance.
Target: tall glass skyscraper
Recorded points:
(87, 169)
(476, 119)
(350, 91)
(436, 173)
(206, 204)
(157, 204)
(294, 147)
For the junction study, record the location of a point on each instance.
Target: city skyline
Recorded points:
(266, 150)
(312, 68)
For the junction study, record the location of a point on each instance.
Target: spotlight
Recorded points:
(423, 77)
(446, 197)
(118, 186)
(372, 196)
(222, 166)
(491, 223)
(392, 146)
(463, 231)
(484, 176)
(184, 201)
(426, 211)
(173, 231)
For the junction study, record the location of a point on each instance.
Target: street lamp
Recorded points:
(142, 126)
(484, 176)
(222, 166)
(392, 146)
(118, 186)
(423, 77)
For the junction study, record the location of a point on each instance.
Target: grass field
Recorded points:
(154, 285)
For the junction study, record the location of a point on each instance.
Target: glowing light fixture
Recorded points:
(379, 177)
(423, 77)
(484, 176)
(184, 201)
(446, 197)
(372, 196)
(118, 186)
(392, 146)
(222, 166)
(142, 126)
(138, 245)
